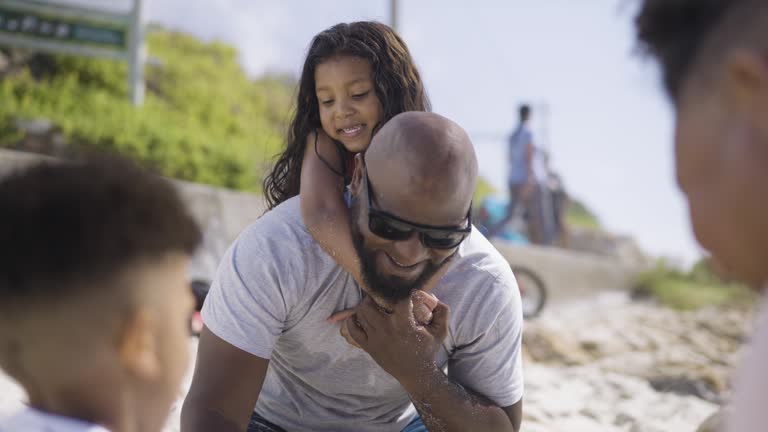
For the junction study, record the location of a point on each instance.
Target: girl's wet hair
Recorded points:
(397, 83)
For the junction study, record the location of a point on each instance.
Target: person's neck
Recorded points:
(86, 407)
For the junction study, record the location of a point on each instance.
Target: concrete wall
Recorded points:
(224, 213)
(568, 275)
(221, 213)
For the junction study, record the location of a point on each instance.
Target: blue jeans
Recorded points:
(260, 424)
(416, 425)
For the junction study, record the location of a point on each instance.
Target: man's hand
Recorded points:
(403, 348)
(423, 305)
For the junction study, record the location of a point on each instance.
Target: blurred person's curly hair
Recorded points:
(682, 34)
(67, 225)
(395, 76)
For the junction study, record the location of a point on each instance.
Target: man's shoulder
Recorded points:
(281, 236)
(282, 224)
(481, 266)
(480, 289)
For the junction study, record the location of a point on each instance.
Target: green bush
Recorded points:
(482, 190)
(694, 289)
(579, 215)
(203, 119)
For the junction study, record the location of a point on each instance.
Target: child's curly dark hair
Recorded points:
(67, 225)
(679, 32)
(396, 79)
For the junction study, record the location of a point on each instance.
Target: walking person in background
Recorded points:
(520, 176)
(540, 205)
(559, 208)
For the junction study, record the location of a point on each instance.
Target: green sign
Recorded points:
(41, 26)
(56, 27)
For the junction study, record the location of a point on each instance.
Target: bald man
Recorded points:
(269, 359)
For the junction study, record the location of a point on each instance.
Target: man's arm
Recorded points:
(225, 387)
(407, 352)
(447, 406)
(515, 414)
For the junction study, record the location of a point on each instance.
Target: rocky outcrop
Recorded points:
(631, 367)
(681, 352)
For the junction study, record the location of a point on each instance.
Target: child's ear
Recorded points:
(137, 347)
(356, 185)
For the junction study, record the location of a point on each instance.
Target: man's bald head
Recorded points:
(427, 154)
(417, 177)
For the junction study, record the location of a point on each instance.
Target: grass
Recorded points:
(578, 215)
(693, 289)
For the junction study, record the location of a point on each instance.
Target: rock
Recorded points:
(685, 386)
(688, 353)
(715, 422)
(623, 419)
(547, 346)
(583, 397)
(5, 63)
(41, 136)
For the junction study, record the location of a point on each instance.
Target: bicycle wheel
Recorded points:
(532, 291)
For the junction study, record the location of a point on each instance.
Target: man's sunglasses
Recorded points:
(391, 227)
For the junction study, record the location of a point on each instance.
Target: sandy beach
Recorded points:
(598, 368)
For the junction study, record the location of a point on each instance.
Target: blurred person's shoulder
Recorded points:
(749, 413)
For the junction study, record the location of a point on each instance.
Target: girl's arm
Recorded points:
(322, 205)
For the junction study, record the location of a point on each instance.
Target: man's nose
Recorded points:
(410, 251)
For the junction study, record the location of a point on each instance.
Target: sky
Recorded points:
(598, 104)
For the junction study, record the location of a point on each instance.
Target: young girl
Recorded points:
(355, 78)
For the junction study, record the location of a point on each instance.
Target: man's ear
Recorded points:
(137, 347)
(357, 183)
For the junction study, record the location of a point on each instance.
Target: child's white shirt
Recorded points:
(33, 420)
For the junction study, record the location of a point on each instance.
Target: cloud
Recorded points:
(255, 28)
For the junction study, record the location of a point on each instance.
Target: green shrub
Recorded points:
(203, 119)
(694, 289)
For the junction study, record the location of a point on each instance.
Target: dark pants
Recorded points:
(518, 195)
(259, 424)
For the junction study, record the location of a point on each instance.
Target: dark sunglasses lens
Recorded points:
(387, 229)
(443, 240)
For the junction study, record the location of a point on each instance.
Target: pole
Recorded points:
(137, 54)
(393, 14)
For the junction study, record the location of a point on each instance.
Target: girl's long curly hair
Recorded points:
(397, 82)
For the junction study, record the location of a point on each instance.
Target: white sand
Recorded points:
(574, 398)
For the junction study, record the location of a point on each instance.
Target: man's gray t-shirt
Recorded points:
(275, 289)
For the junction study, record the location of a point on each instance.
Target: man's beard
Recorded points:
(388, 287)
